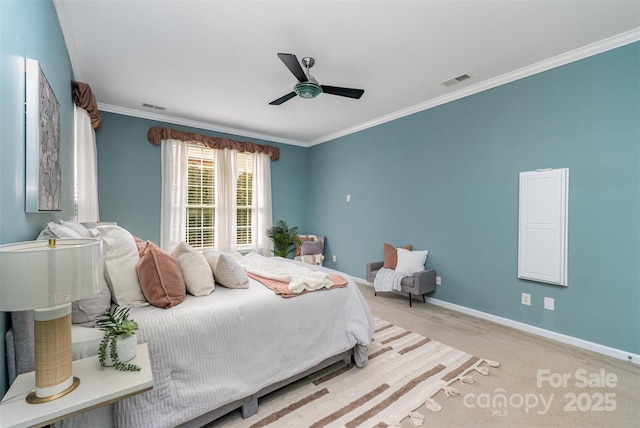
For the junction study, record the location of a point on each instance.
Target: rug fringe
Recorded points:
(467, 379)
(483, 370)
(492, 363)
(416, 418)
(432, 405)
(450, 391)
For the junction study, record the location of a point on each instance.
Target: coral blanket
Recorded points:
(282, 288)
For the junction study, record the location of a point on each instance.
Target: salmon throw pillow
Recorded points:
(160, 277)
(391, 255)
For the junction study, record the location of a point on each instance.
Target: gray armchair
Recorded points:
(419, 284)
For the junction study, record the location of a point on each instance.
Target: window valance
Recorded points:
(83, 98)
(156, 134)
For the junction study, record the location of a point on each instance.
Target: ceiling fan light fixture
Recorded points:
(307, 89)
(307, 86)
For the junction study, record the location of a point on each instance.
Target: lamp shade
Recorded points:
(34, 275)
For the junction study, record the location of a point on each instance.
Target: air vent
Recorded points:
(151, 106)
(454, 80)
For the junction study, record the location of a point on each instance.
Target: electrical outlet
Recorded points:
(348, 198)
(526, 299)
(334, 258)
(438, 280)
(550, 303)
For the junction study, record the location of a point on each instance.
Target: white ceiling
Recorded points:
(213, 64)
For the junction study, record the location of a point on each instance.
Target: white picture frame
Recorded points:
(42, 145)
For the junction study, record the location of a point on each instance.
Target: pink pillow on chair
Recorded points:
(391, 255)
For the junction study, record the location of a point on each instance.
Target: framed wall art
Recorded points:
(43, 181)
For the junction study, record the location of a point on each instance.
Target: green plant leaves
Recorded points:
(116, 324)
(284, 238)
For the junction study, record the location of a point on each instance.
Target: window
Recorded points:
(201, 198)
(244, 195)
(215, 198)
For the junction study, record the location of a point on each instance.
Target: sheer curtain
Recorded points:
(261, 214)
(226, 200)
(85, 167)
(173, 202)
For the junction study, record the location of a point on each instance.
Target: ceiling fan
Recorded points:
(308, 86)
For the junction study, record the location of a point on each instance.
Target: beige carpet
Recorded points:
(521, 356)
(404, 371)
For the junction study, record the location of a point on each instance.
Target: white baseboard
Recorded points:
(558, 337)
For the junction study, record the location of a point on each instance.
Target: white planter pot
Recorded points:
(127, 348)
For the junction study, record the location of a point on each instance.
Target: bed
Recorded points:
(216, 353)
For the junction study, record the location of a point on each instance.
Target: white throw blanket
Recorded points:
(299, 278)
(389, 280)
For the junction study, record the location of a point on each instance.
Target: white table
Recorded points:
(98, 386)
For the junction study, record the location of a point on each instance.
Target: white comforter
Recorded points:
(212, 350)
(298, 277)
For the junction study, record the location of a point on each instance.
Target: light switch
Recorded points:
(549, 303)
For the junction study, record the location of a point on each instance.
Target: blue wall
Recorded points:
(129, 172)
(446, 180)
(29, 29)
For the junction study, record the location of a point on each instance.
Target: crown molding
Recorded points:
(196, 124)
(539, 67)
(64, 17)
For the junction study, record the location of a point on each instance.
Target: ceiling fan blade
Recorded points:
(293, 65)
(343, 92)
(283, 99)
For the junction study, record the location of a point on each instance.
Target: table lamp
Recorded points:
(47, 277)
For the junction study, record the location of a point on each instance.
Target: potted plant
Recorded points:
(119, 343)
(284, 238)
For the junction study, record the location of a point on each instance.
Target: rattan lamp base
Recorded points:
(32, 398)
(54, 376)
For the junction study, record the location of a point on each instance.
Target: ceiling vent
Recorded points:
(153, 107)
(454, 80)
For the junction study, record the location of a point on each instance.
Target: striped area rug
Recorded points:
(404, 370)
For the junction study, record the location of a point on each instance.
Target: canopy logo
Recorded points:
(591, 397)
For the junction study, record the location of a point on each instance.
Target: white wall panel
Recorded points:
(542, 234)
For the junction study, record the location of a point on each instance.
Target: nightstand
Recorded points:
(98, 386)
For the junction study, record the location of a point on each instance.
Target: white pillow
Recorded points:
(87, 311)
(77, 227)
(85, 341)
(91, 226)
(120, 259)
(226, 270)
(58, 231)
(411, 261)
(196, 272)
